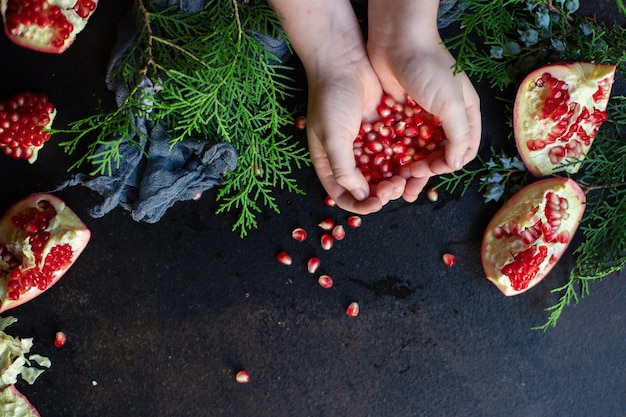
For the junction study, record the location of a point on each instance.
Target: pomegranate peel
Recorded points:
(45, 25)
(557, 113)
(25, 120)
(19, 406)
(40, 239)
(529, 234)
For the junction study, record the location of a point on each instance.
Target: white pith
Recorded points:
(582, 79)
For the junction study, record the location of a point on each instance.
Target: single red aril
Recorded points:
(354, 221)
(530, 233)
(328, 200)
(353, 309)
(313, 264)
(14, 403)
(327, 224)
(449, 259)
(299, 234)
(404, 133)
(59, 339)
(325, 281)
(558, 111)
(40, 239)
(25, 120)
(432, 194)
(45, 25)
(243, 376)
(300, 123)
(339, 232)
(327, 241)
(284, 258)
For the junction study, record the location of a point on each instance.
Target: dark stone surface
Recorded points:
(160, 317)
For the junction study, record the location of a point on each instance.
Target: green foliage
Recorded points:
(502, 41)
(214, 81)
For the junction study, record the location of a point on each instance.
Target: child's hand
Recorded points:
(409, 58)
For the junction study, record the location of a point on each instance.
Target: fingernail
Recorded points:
(360, 194)
(458, 163)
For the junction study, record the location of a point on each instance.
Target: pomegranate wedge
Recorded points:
(557, 113)
(40, 239)
(528, 235)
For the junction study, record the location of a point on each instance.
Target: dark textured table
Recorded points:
(159, 317)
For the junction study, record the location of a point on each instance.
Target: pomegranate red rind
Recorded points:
(45, 25)
(13, 403)
(40, 239)
(558, 111)
(25, 120)
(530, 233)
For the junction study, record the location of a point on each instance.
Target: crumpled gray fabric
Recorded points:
(153, 176)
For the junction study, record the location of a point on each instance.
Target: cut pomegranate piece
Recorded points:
(557, 113)
(530, 233)
(25, 120)
(13, 400)
(40, 239)
(45, 25)
(404, 133)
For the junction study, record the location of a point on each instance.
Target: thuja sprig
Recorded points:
(501, 40)
(214, 80)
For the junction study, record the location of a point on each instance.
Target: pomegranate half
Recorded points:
(40, 238)
(557, 113)
(528, 235)
(45, 25)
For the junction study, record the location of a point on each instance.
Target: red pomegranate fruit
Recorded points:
(402, 133)
(40, 239)
(25, 120)
(14, 404)
(45, 25)
(528, 235)
(557, 113)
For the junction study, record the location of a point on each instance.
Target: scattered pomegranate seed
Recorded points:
(313, 264)
(197, 196)
(339, 232)
(59, 339)
(299, 234)
(449, 259)
(432, 194)
(327, 241)
(329, 201)
(300, 122)
(284, 258)
(327, 224)
(353, 309)
(354, 221)
(325, 281)
(243, 377)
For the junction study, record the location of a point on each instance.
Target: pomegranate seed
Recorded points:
(327, 224)
(243, 377)
(339, 232)
(313, 264)
(354, 221)
(300, 122)
(328, 200)
(449, 259)
(327, 241)
(353, 309)
(299, 234)
(59, 339)
(325, 281)
(284, 258)
(432, 194)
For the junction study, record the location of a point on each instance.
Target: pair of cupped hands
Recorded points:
(347, 76)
